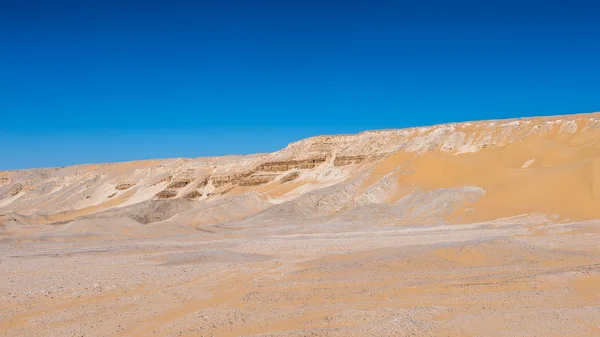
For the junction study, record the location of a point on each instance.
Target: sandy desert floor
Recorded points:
(515, 277)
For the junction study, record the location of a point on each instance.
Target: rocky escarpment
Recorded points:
(349, 160)
(257, 179)
(289, 177)
(179, 183)
(280, 166)
(235, 178)
(166, 194)
(193, 195)
(59, 194)
(261, 174)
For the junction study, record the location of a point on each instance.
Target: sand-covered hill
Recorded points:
(471, 229)
(451, 173)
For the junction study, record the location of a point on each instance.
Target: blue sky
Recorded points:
(95, 81)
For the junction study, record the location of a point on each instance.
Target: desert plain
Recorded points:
(487, 228)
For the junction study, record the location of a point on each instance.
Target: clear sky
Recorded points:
(95, 81)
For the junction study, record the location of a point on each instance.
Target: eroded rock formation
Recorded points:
(502, 157)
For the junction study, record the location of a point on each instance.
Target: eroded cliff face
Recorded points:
(535, 165)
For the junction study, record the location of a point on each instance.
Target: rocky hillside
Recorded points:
(461, 172)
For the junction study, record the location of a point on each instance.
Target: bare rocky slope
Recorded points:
(451, 173)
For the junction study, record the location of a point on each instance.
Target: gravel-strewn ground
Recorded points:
(501, 279)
